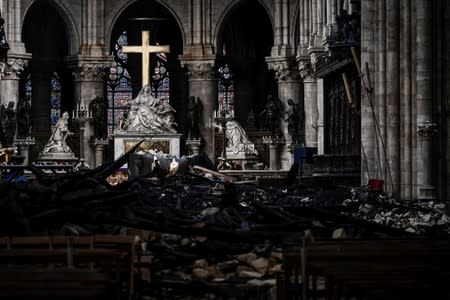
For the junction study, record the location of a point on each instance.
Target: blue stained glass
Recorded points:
(161, 78)
(119, 90)
(28, 87)
(226, 89)
(55, 99)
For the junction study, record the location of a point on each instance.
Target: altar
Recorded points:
(168, 143)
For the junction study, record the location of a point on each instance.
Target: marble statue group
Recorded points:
(148, 114)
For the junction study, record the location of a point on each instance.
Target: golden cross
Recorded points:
(145, 49)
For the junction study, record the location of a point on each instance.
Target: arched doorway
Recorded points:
(164, 30)
(243, 44)
(46, 80)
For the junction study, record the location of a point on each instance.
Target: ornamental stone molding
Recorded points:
(13, 67)
(89, 69)
(285, 68)
(200, 69)
(304, 67)
(426, 129)
(318, 55)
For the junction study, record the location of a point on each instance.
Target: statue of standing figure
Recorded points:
(57, 141)
(99, 107)
(24, 118)
(8, 116)
(193, 116)
(293, 120)
(272, 114)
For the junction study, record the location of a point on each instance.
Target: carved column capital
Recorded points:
(13, 66)
(88, 69)
(285, 68)
(200, 69)
(304, 66)
(426, 130)
(318, 56)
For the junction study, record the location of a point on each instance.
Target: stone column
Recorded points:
(424, 56)
(368, 131)
(274, 144)
(10, 75)
(406, 132)
(426, 132)
(99, 150)
(88, 83)
(202, 81)
(331, 19)
(380, 92)
(311, 112)
(393, 94)
(23, 147)
(193, 146)
(320, 117)
(288, 79)
(18, 59)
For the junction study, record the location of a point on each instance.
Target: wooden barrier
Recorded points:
(57, 267)
(366, 269)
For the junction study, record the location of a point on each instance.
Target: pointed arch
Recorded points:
(73, 34)
(123, 5)
(229, 9)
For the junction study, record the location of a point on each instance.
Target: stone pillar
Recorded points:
(202, 81)
(18, 59)
(99, 150)
(193, 146)
(380, 92)
(10, 75)
(406, 130)
(424, 56)
(368, 130)
(393, 94)
(426, 132)
(88, 83)
(331, 19)
(23, 147)
(311, 110)
(288, 79)
(320, 117)
(274, 144)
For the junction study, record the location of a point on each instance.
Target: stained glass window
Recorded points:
(160, 78)
(55, 99)
(28, 88)
(119, 90)
(226, 90)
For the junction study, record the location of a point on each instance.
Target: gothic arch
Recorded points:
(243, 44)
(73, 35)
(229, 9)
(117, 12)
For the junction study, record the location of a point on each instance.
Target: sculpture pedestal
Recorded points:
(193, 146)
(23, 147)
(166, 143)
(58, 157)
(245, 160)
(99, 150)
(274, 149)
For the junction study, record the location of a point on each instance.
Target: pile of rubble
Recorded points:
(202, 229)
